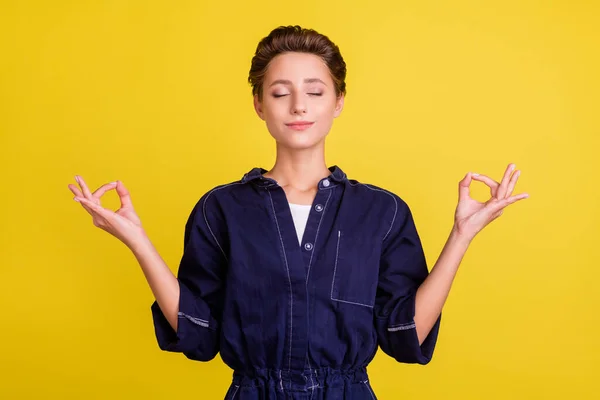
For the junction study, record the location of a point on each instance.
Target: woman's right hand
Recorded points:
(124, 224)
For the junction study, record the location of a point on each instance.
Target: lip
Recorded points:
(300, 125)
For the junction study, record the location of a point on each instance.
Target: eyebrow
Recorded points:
(288, 82)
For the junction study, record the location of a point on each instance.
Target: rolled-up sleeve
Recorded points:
(201, 277)
(402, 269)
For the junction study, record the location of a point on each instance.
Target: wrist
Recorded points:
(459, 237)
(139, 243)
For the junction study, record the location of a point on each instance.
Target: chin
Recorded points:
(298, 142)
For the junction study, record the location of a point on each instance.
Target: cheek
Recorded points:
(325, 110)
(273, 118)
(274, 112)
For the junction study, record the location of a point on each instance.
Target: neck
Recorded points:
(302, 169)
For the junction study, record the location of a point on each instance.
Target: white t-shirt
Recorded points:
(300, 214)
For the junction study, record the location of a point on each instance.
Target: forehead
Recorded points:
(296, 67)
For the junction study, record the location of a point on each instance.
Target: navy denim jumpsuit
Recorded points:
(298, 321)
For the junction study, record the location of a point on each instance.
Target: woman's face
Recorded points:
(298, 89)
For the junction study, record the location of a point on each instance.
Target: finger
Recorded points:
(499, 205)
(463, 186)
(497, 214)
(124, 195)
(95, 211)
(517, 197)
(75, 190)
(84, 205)
(103, 189)
(501, 193)
(493, 185)
(92, 207)
(86, 192)
(512, 183)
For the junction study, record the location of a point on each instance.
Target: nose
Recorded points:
(299, 105)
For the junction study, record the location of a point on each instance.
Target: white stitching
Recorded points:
(312, 387)
(334, 274)
(330, 187)
(352, 302)
(402, 327)
(280, 380)
(204, 213)
(197, 321)
(404, 324)
(311, 378)
(289, 279)
(389, 194)
(336, 261)
(316, 237)
(368, 387)
(237, 387)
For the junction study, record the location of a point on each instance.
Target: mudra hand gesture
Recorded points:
(472, 216)
(124, 224)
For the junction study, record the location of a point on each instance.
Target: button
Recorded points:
(319, 207)
(308, 246)
(326, 183)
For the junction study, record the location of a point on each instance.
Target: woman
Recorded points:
(297, 274)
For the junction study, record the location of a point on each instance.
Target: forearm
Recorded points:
(433, 292)
(162, 281)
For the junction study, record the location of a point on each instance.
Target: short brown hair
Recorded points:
(296, 39)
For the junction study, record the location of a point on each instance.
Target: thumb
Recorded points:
(124, 195)
(463, 187)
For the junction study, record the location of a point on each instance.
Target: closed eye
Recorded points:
(283, 95)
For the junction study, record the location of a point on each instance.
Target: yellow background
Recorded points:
(154, 93)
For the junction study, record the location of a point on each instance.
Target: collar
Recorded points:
(256, 175)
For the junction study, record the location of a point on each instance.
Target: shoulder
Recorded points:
(209, 202)
(378, 195)
(221, 191)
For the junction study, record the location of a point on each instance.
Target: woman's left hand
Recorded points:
(471, 215)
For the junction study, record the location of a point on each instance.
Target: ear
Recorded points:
(258, 107)
(339, 106)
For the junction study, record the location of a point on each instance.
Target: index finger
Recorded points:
(493, 185)
(103, 189)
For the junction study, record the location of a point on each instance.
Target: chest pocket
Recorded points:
(356, 270)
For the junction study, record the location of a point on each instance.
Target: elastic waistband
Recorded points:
(299, 379)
